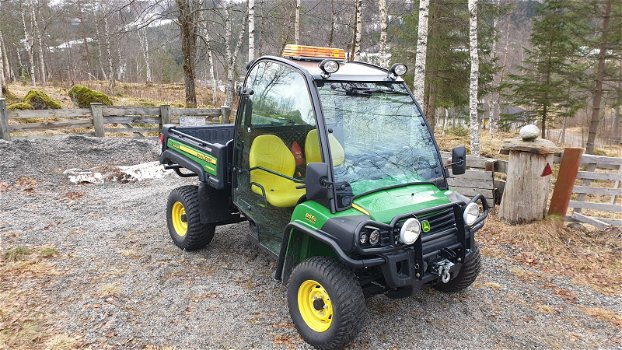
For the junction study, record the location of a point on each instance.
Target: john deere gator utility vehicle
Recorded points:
(339, 177)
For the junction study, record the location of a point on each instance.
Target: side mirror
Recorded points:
(316, 182)
(458, 160)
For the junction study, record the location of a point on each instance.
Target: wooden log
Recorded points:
(5, 133)
(84, 123)
(568, 169)
(209, 112)
(124, 111)
(132, 130)
(98, 119)
(131, 120)
(50, 113)
(596, 222)
(526, 190)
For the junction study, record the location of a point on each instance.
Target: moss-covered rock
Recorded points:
(40, 100)
(9, 96)
(82, 96)
(19, 105)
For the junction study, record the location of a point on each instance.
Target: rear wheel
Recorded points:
(325, 302)
(183, 219)
(467, 275)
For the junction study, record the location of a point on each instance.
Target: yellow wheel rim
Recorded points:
(180, 221)
(315, 306)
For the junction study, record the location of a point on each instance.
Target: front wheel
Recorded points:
(325, 302)
(183, 219)
(467, 275)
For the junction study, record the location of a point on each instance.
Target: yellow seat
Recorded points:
(313, 153)
(269, 152)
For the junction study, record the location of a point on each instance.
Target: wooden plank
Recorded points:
(98, 119)
(5, 132)
(472, 162)
(590, 220)
(50, 113)
(614, 222)
(165, 115)
(474, 175)
(596, 206)
(470, 192)
(84, 123)
(597, 190)
(459, 182)
(616, 185)
(589, 175)
(600, 160)
(133, 130)
(209, 112)
(131, 120)
(124, 111)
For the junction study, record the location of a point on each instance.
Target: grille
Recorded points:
(443, 231)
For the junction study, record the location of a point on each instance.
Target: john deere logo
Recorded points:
(425, 226)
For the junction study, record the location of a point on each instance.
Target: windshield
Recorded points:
(377, 136)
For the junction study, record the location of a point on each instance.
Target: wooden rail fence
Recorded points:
(99, 119)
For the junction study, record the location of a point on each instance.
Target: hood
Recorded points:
(384, 205)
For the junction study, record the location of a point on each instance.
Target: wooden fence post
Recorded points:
(4, 121)
(225, 113)
(568, 170)
(98, 119)
(165, 115)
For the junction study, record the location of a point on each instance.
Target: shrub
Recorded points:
(458, 131)
(19, 105)
(40, 100)
(82, 96)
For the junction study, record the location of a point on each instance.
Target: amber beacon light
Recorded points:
(302, 51)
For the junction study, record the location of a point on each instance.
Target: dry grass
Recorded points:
(604, 315)
(592, 258)
(489, 146)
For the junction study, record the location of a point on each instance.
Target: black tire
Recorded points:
(196, 235)
(467, 275)
(346, 303)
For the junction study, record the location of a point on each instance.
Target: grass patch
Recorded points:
(603, 315)
(48, 252)
(16, 254)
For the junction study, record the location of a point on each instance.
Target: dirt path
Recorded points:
(93, 266)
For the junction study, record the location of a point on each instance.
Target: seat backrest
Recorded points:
(313, 152)
(270, 152)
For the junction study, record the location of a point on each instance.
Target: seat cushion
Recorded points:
(313, 152)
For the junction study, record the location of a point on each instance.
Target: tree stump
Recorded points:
(528, 181)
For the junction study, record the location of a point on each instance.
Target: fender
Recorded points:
(169, 156)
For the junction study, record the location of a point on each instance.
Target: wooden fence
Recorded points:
(599, 179)
(478, 179)
(100, 119)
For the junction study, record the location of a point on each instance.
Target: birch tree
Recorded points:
(2, 79)
(356, 47)
(297, 24)
(8, 73)
(382, 5)
(37, 33)
(232, 56)
(28, 43)
(251, 29)
(187, 25)
(210, 61)
(597, 92)
(420, 58)
(111, 81)
(144, 40)
(474, 78)
(331, 33)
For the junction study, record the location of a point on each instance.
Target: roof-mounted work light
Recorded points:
(328, 67)
(397, 70)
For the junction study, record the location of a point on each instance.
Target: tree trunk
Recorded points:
(2, 80)
(356, 50)
(144, 40)
(28, 42)
(232, 57)
(210, 61)
(617, 138)
(37, 33)
(331, 34)
(111, 82)
(422, 45)
(188, 48)
(597, 93)
(99, 48)
(297, 24)
(382, 4)
(8, 73)
(474, 79)
(497, 103)
(251, 30)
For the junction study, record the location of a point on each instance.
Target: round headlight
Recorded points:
(399, 69)
(410, 231)
(471, 213)
(329, 66)
(374, 237)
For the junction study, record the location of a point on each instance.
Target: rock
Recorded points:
(19, 106)
(82, 96)
(529, 132)
(40, 100)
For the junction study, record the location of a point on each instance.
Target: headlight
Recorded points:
(374, 237)
(471, 213)
(410, 231)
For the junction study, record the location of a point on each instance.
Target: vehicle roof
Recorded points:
(348, 71)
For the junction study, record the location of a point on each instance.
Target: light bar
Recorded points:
(302, 51)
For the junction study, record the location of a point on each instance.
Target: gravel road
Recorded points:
(111, 277)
